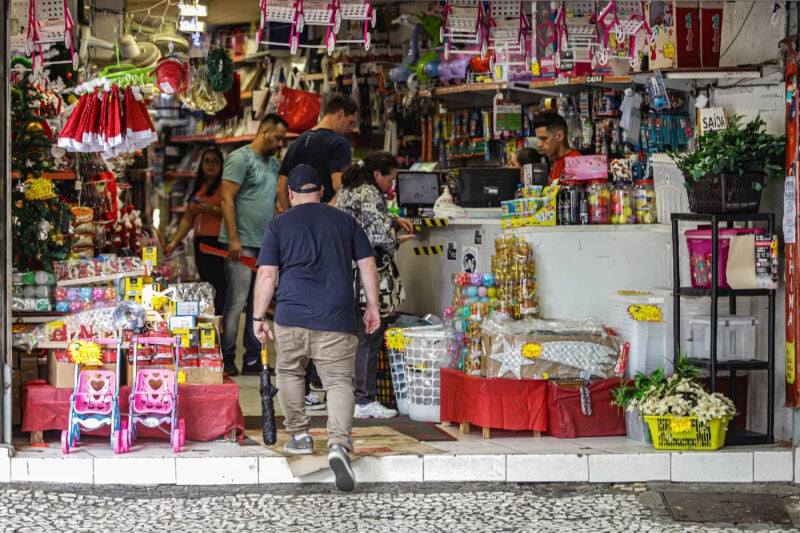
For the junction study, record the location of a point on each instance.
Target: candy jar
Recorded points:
(644, 202)
(598, 198)
(622, 204)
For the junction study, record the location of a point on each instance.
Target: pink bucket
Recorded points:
(699, 243)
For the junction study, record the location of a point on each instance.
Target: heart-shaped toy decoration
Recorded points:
(155, 384)
(97, 386)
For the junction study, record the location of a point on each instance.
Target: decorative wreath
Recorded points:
(220, 70)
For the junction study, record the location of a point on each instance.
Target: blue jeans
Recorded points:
(239, 296)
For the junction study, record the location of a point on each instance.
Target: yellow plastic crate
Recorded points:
(687, 433)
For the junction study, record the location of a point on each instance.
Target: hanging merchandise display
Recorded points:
(220, 70)
(110, 116)
(201, 96)
(48, 21)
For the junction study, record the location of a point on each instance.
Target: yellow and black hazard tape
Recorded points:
(428, 250)
(421, 223)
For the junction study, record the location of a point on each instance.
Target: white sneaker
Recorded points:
(313, 403)
(373, 410)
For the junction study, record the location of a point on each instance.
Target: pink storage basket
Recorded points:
(699, 243)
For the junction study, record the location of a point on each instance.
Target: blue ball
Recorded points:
(488, 280)
(472, 290)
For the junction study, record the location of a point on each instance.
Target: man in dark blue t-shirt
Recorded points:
(324, 147)
(313, 246)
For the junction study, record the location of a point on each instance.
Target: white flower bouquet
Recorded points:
(681, 396)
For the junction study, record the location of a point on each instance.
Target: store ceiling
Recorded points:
(220, 12)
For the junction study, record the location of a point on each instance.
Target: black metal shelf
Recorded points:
(743, 437)
(691, 291)
(752, 364)
(735, 436)
(724, 217)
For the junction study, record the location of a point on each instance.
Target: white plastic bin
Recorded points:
(425, 354)
(668, 183)
(650, 342)
(736, 337)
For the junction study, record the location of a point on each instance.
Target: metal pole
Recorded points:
(5, 225)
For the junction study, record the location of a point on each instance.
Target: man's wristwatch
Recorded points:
(257, 319)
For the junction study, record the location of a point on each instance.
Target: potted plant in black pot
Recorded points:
(729, 168)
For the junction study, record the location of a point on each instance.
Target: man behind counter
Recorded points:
(551, 133)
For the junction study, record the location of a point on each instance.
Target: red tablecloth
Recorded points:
(499, 403)
(210, 411)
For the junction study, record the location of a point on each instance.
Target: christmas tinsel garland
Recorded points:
(220, 70)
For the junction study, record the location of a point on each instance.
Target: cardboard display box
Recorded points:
(195, 375)
(531, 347)
(61, 375)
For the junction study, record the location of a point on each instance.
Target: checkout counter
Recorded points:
(577, 267)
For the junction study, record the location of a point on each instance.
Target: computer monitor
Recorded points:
(417, 190)
(487, 187)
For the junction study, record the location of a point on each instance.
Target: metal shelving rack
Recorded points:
(713, 366)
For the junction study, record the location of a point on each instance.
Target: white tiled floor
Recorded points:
(512, 457)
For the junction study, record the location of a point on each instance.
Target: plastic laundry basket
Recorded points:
(397, 361)
(425, 354)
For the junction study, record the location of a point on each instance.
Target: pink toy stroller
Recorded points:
(154, 397)
(94, 402)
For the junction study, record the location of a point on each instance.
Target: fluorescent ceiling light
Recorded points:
(191, 26)
(193, 10)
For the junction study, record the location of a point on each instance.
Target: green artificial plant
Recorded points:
(735, 150)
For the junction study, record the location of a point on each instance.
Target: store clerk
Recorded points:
(551, 133)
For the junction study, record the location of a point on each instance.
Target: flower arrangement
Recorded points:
(680, 396)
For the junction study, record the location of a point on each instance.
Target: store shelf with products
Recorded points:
(174, 174)
(57, 175)
(713, 364)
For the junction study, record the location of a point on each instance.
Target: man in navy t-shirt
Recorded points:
(313, 246)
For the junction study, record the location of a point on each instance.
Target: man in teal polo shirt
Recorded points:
(249, 186)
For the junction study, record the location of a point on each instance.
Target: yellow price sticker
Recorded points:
(791, 370)
(532, 350)
(645, 313)
(38, 189)
(498, 72)
(680, 425)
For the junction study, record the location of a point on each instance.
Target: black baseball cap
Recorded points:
(303, 175)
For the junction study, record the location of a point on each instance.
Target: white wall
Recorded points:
(757, 42)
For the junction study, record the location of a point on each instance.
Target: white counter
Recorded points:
(577, 267)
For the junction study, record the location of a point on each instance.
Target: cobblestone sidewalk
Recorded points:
(380, 508)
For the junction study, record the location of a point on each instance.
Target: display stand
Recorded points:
(499, 403)
(734, 436)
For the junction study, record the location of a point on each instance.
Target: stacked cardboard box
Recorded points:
(24, 368)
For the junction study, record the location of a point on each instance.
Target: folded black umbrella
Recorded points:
(268, 392)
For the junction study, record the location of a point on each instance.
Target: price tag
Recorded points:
(680, 425)
(645, 313)
(38, 189)
(532, 350)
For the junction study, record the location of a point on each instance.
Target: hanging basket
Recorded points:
(726, 193)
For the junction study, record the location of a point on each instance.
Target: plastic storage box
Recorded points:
(699, 243)
(650, 342)
(736, 337)
(668, 182)
(692, 306)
